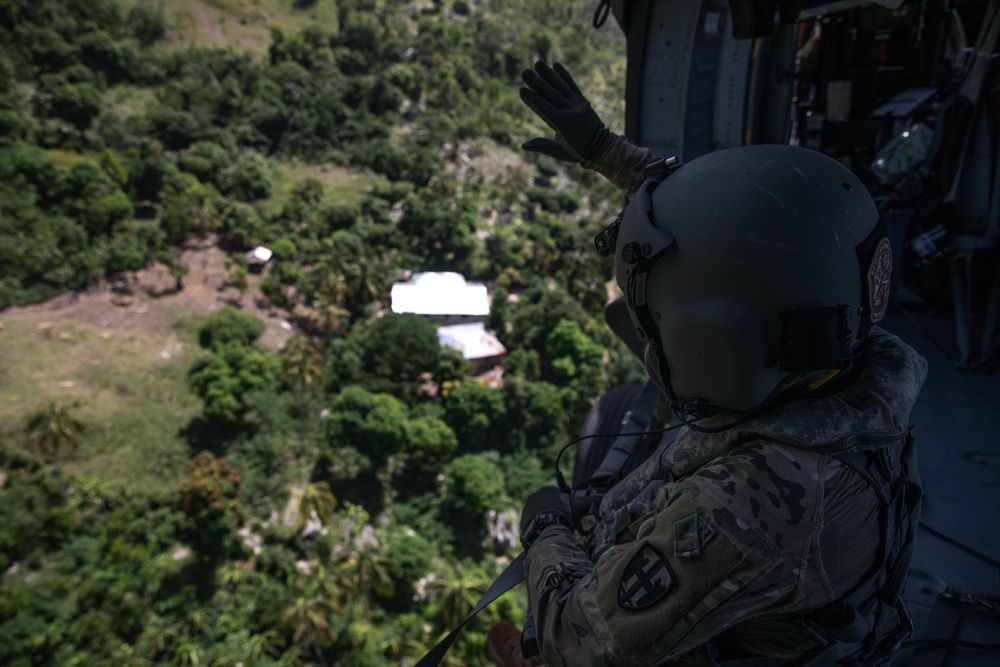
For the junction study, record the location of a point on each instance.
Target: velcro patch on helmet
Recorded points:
(646, 580)
(879, 273)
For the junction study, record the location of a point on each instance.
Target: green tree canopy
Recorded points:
(233, 370)
(247, 177)
(401, 347)
(374, 424)
(229, 324)
(429, 441)
(475, 483)
(539, 311)
(575, 359)
(244, 224)
(392, 353)
(477, 414)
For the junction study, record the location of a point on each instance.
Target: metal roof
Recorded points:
(472, 340)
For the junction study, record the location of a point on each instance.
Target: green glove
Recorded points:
(554, 96)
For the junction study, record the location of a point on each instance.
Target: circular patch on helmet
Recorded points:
(879, 272)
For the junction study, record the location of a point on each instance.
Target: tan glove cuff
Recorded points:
(621, 162)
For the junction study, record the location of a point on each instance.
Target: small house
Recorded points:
(479, 347)
(258, 257)
(444, 298)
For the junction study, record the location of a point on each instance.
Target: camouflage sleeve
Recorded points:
(702, 558)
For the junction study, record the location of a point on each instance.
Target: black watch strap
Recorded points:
(540, 523)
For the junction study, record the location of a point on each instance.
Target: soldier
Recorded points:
(777, 527)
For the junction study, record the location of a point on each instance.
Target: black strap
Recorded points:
(512, 576)
(634, 426)
(601, 13)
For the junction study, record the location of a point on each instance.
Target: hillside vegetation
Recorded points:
(201, 493)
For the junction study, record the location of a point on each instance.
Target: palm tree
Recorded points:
(456, 596)
(305, 616)
(52, 427)
(328, 282)
(188, 652)
(365, 573)
(301, 363)
(332, 316)
(327, 579)
(325, 293)
(261, 644)
(302, 370)
(366, 278)
(316, 497)
(415, 648)
(158, 637)
(234, 574)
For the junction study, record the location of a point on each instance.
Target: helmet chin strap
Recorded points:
(688, 411)
(691, 411)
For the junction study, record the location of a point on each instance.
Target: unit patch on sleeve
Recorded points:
(646, 580)
(690, 535)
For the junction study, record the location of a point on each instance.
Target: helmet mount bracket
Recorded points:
(653, 174)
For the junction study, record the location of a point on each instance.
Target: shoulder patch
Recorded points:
(646, 580)
(879, 273)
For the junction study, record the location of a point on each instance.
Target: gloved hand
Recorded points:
(546, 500)
(551, 500)
(554, 96)
(580, 506)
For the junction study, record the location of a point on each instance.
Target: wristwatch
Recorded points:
(540, 523)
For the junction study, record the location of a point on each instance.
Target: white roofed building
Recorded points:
(477, 345)
(442, 297)
(258, 257)
(460, 308)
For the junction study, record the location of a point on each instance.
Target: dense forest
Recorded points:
(345, 499)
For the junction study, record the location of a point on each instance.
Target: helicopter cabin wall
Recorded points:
(693, 88)
(866, 57)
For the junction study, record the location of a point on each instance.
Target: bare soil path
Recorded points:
(148, 300)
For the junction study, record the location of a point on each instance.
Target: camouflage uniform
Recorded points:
(715, 532)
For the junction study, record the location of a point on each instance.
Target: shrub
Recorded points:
(229, 324)
(246, 178)
(475, 483)
(78, 103)
(147, 23)
(175, 128)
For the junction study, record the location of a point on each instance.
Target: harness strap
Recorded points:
(510, 577)
(619, 456)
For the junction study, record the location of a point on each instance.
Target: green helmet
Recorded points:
(750, 270)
